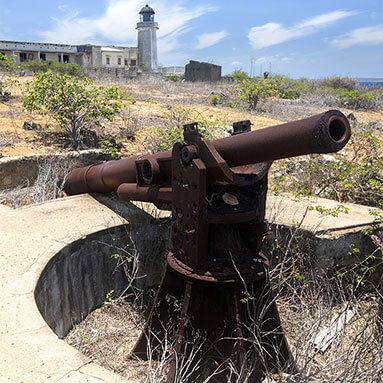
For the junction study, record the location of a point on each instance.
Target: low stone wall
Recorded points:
(23, 170)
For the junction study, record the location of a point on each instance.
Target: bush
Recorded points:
(357, 178)
(251, 91)
(54, 66)
(163, 138)
(238, 75)
(291, 89)
(72, 102)
(347, 83)
(351, 99)
(174, 77)
(7, 78)
(215, 99)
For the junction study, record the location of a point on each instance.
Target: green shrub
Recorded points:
(251, 91)
(238, 75)
(73, 102)
(163, 138)
(174, 77)
(351, 99)
(347, 83)
(291, 89)
(61, 68)
(7, 75)
(215, 99)
(357, 178)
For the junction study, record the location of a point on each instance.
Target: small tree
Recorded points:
(251, 91)
(7, 77)
(72, 101)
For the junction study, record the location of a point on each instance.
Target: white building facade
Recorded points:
(143, 57)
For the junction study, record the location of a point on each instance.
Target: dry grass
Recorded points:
(48, 185)
(309, 301)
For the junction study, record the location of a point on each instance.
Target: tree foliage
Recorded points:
(37, 66)
(251, 91)
(7, 74)
(73, 102)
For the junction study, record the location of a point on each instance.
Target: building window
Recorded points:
(23, 57)
(43, 57)
(66, 59)
(133, 62)
(59, 58)
(107, 60)
(119, 60)
(126, 62)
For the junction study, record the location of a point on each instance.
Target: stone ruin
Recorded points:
(201, 71)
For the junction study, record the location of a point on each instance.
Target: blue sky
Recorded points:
(294, 37)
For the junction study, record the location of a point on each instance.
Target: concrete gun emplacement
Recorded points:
(216, 191)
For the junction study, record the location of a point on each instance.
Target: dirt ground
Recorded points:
(151, 99)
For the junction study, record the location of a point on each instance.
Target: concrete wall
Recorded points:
(99, 55)
(37, 47)
(23, 170)
(78, 278)
(200, 71)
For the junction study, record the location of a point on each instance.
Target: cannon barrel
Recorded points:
(323, 133)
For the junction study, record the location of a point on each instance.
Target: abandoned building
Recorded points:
(201, 71)
(144, 56)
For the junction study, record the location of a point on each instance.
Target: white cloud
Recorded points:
(208, 39)
(274, 33)
(272, 59)
(117, 24)
(361, 36)
(236, 63)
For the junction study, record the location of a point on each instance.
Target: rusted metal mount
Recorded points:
(216, 268)
(216, 191)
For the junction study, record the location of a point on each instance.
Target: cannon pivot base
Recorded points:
(214, 312)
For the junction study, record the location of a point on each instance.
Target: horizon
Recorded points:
(291, 38)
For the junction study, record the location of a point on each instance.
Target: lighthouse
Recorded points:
(147, 40)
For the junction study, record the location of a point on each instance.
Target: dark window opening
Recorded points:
(23, 57)
(126, 62)
(43, 57)
(59, 58)
(107, 60)
(66, 59)
(133, 62)
(119, 60)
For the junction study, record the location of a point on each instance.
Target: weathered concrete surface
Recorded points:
(29, 237)
(331, 238)
(285, 209)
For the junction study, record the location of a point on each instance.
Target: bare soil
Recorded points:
(151, 99)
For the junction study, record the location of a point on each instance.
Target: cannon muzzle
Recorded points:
(324, 133)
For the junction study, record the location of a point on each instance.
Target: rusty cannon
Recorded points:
(216, 191)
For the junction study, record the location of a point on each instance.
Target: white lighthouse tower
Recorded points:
(147, 40)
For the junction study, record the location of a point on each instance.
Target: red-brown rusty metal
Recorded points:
(324, 133)
(216, 269)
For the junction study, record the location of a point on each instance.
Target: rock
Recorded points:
(375, 124)
(30, 125)
(351, 117)
(328, 158)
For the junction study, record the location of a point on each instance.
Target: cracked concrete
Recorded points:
(30, 236)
